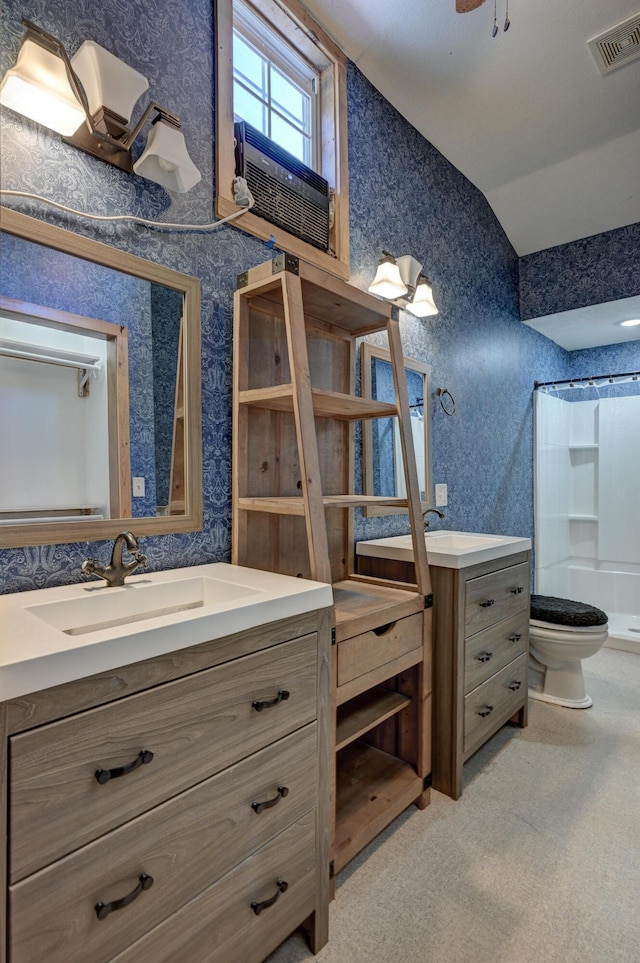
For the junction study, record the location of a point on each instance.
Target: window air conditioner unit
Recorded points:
(287, 193)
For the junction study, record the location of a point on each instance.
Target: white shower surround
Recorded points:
(587, 507)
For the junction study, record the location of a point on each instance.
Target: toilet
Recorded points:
(561, 634)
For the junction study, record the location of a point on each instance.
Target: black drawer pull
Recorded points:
(485, 712)
(282, 696)
(488, 603)
(518, 591)
(485, 656)
(268, 803)
(257, 908)
(103, 909)
(104, 775)
(515, 637)
(515, 685)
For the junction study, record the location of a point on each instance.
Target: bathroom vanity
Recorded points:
(481, 630)
(172, 804)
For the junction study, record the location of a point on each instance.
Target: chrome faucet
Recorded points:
(426, 520)
(116, 571)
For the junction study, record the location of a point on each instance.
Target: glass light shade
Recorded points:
(387, 282)
(166, 161)
(409, 270)
(108, 81)
(422, 304)
(38, 88)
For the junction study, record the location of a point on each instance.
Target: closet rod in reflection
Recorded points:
(87, 363)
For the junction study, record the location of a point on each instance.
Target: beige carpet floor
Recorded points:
(538, 862)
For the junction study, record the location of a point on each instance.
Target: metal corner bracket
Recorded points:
(285, 262)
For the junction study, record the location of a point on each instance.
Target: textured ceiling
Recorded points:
(527, 116)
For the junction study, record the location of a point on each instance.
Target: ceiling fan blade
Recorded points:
(464, 6)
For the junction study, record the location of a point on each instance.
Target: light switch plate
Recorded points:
(441, 496)
(138, 487)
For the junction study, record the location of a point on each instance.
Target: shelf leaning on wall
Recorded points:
(294, 410)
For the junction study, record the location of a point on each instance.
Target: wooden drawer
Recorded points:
(490, 598)
(489, 651)
(195, 727)
(490, 704)
(220, 926)
(184, 845)
(370, 650)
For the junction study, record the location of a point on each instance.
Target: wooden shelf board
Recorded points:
(372, 788)
(326, 404)
(294, 504)
(362, 501)
(378, 676)
(326, 297)
(367, 711)
(362, 606)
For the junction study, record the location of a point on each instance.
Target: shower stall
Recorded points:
(587, 497)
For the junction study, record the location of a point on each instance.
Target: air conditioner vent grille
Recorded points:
(286, 192)
(618, 46)
(287, 209)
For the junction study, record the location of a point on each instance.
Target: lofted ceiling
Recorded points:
(527, 116)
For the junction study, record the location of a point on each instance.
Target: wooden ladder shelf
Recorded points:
(176, 479)
(294, 412)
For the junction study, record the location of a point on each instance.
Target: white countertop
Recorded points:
(36, 653)
(447, 549)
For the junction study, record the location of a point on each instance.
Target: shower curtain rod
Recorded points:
(573, 381)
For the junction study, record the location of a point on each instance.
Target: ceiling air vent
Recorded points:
(618, 46)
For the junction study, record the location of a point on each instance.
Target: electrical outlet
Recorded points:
(441, 496)
(138, 487)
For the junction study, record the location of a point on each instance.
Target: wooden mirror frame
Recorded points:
(53, 533)
(369, 352)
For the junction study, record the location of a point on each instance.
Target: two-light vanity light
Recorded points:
(89, 99)
(400, 279)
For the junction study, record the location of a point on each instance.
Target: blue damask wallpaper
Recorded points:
(405, 196)
(595, 269)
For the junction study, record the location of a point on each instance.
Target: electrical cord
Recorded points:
(241, 194)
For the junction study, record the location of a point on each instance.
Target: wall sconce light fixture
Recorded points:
(89, 99)
(400, 280)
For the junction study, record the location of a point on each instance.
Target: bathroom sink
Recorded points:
(55, 635)
(447, 549)
(458, 541)
(102, 608)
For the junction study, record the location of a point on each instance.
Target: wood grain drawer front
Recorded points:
(183, 845)
(195, 727)
(501, 695)
(490, 598)
(489, 651)
(220, 926)
(366, 652)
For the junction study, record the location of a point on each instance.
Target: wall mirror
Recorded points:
(383, 472)
(100, 420)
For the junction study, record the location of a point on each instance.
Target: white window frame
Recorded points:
(281, 57)
(294, 23)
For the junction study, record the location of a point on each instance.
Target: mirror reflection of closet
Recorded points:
(100, 422)
(64, 416)
(383, 473)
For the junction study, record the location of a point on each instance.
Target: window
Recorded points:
(278, 71)
(274, 88)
